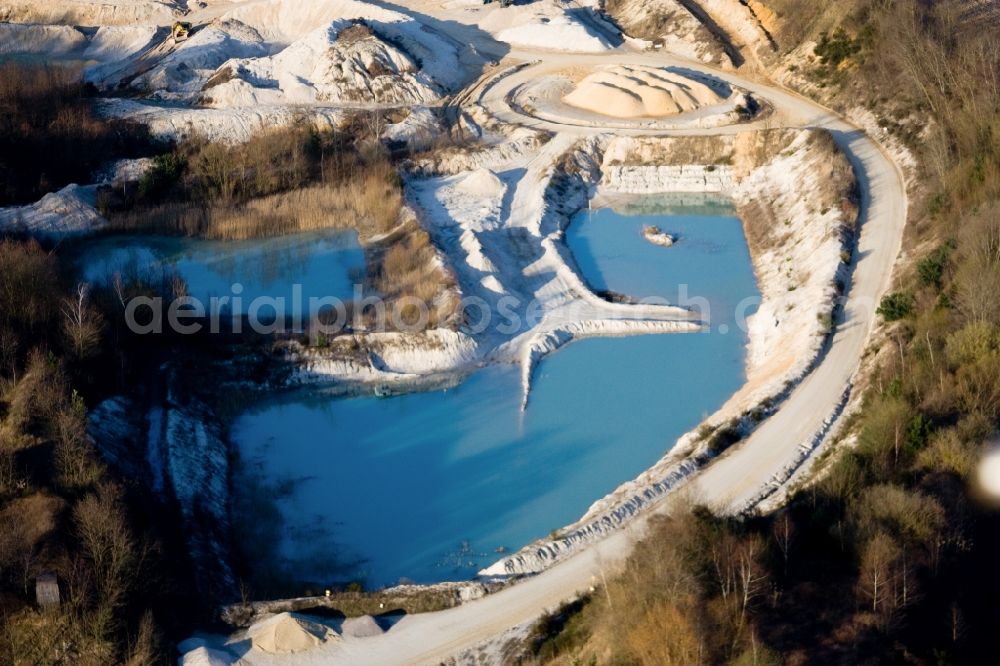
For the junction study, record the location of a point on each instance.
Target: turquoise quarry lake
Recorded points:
(324, 264)
(436, 485)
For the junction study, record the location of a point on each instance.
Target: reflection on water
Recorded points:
(324, 264)
(433, 486)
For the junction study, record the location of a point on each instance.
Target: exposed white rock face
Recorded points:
(104, 51)
(180, 453)
(270, 63)
(797, 268)
(656, 179)
(123, 171)
(391, 358)
(547, 24)
(418, 130)
(89, 12)
(338, 63)
(670, 22)
(68, 212)
(183, 73)
(111, 43)
(196, 470)
(234, 125)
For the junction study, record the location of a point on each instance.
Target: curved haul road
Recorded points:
(744, 472)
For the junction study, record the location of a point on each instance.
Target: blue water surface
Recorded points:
(324, 264)
(432, 486)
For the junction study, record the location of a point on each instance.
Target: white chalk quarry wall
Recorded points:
(798, 267)
(388, 357)
(89, 12)
(232, 126)
(68, 212)
(53, 40)
(681, 32)
(784, 336)
(667, 178)
(546, 24)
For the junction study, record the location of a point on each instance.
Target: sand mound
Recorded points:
(482, 183)
(548, 25)
(280, 52)
(106, 44)
(67, 212)
(493, 284)
(640, 92)
(203, 656)
(193, 62)
(475, 255)
(338, 63)
(116, 42)
(286, 633)
(361, 627)
(284, 22)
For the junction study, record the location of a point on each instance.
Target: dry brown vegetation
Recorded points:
(928, 70)
(405, 270)
(60, 510)
(369, 204)
(688, 594)
(282, 181)
(49, 134)
(293, 180)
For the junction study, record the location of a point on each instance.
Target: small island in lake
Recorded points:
(657, 236)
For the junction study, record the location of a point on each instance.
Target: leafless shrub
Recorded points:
(108, 542)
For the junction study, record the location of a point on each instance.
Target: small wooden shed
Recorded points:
(47, 590)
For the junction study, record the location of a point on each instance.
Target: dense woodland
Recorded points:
(62, 510)
(890, 556)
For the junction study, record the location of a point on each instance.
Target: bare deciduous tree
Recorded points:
(81, 322)
(877, 576)
(783, 531)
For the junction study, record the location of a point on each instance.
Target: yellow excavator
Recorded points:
(180, 31)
